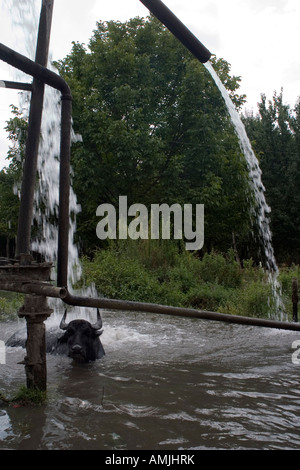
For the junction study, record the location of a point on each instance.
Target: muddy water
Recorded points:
(166, 383)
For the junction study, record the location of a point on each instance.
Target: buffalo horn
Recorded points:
(63, 325)
(98, 324)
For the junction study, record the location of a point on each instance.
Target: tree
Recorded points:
(10, 178)
(154, 127)
(275, 132)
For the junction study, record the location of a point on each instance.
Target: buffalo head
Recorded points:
(81, 339)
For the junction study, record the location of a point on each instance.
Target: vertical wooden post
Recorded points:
(295, 299)
(36, 311)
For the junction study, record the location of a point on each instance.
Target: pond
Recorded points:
(166, 383)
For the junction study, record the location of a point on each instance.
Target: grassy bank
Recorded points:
(156, 272)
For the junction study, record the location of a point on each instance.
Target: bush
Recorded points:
(217, 269)
(186, 273)
(252, 272)
(207, 296)
(155, 272)
(116, 276)
(254, 300)
(10, 304)
(286, 276)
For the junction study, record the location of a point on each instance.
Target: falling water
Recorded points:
(47, 191)
(255, 176)
(24, 15)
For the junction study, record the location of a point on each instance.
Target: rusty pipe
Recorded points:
(180, 31)
(126, 305)
(28, 66)
(46, 290)
(16, 85)
(64, 193)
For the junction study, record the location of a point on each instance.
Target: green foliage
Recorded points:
(9, 208)
(214, 283)
(154, 128)
(252, 300)
(286, 276)
(10, 178)
(275, 133)
(207, 296)
(10, 304)
(25, 397)
(232, 84)
(29, 396)
(117, 275)
(217, 269)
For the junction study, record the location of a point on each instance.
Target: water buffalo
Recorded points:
(81, 339)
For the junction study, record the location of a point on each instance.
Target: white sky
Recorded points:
(259, 38)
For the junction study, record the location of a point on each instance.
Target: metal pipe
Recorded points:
(64, 194)
(46, 290)
(33, 135)
(113, 304)
(16, 85)
(20, 62)
(180, 31)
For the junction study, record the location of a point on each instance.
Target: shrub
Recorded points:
(186, 273)
(254, 300)
(116, 276)
(207, 296)
(157, 273)
(286, 276)
(10, 304)
(217, 269)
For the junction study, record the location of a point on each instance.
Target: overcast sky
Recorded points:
(259, 38)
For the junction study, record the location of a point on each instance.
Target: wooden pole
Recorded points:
(35, 310)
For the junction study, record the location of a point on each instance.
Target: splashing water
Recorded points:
(255, 176)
